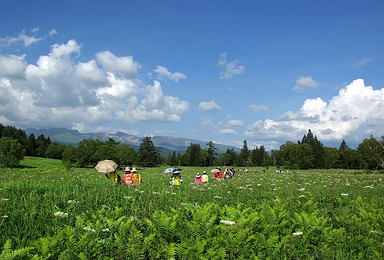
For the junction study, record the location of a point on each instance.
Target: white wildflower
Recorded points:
(88, 229)
(302, 189)
(128, 197)
(3, 199)
(155, 193)
(344, 194)
(228, 191)
(297, 233)
(104, 206)
(72, 202)
(217, 197)
(371, 187)
(227, 222)
(61, 214)
(5, 216)
(105, 230)
(301, 196)
(173, 193)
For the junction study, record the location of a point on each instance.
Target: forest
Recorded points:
(307, 153)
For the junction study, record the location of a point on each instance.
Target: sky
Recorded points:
(221, 71)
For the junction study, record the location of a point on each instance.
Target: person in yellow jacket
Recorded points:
(136, 178)
(112, 177)
(204, 177)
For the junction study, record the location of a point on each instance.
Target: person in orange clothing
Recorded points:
(127, 176)
(136, 178)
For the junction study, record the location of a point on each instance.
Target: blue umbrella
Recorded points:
(168, 170)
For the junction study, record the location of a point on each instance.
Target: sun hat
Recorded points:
(198, 175)
(127, 169)
(204, 172)
(134, 169)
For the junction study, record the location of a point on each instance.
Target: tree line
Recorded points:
(307, 153)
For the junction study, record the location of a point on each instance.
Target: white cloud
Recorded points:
(208, 106)
(361, 63)
(260, 108)
(305, 83)
(231, 67)
(21, 38)
(233, 123)
(122, 65)
(163, 72)
(57, 91)
(341, 117)
(52, 32)
(12, 66)
(228, 131)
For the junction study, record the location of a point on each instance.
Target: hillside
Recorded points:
(165, 143)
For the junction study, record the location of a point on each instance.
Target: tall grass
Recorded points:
(340, 214)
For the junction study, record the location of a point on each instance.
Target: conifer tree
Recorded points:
(147, 155)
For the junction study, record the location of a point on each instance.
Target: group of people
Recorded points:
(228, 173)
(130, 177)
(203, 178)
(177, 180)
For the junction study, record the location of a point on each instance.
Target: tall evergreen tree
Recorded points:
(147, 155)
(343, 146)
(212, 153)
(31, 145)
(244, 153)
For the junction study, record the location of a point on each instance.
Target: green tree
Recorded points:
(11, 152)
(125, 155)
(54, 150)
(331, 158)
(70, 156)
(172, 160)
(31, 145)
(244, 154)
(42, 145)
(193, 153)
(147, 155)
(372, 152)
(229, 157)
(212, 153)
(85, 152)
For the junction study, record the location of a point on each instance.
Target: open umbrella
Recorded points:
(168, 170)
(106, 166)
(215, 170)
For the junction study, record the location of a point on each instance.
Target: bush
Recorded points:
(11, 152)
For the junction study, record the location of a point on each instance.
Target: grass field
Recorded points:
(50, 212)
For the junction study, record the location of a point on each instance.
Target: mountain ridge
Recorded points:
(167, 144)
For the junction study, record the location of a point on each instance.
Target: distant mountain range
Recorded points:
(165, 144)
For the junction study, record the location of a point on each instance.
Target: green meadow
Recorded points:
(50, 212)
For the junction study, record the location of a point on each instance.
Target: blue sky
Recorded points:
(222, 71)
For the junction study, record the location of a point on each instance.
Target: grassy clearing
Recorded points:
(324, 214)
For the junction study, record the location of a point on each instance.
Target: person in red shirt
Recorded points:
(127, 176)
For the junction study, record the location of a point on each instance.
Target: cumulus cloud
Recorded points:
(342, 116)
(208, 106)
(231, 67)
(57, 91)
(163, 72)
(260, 108)
(305, 83)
